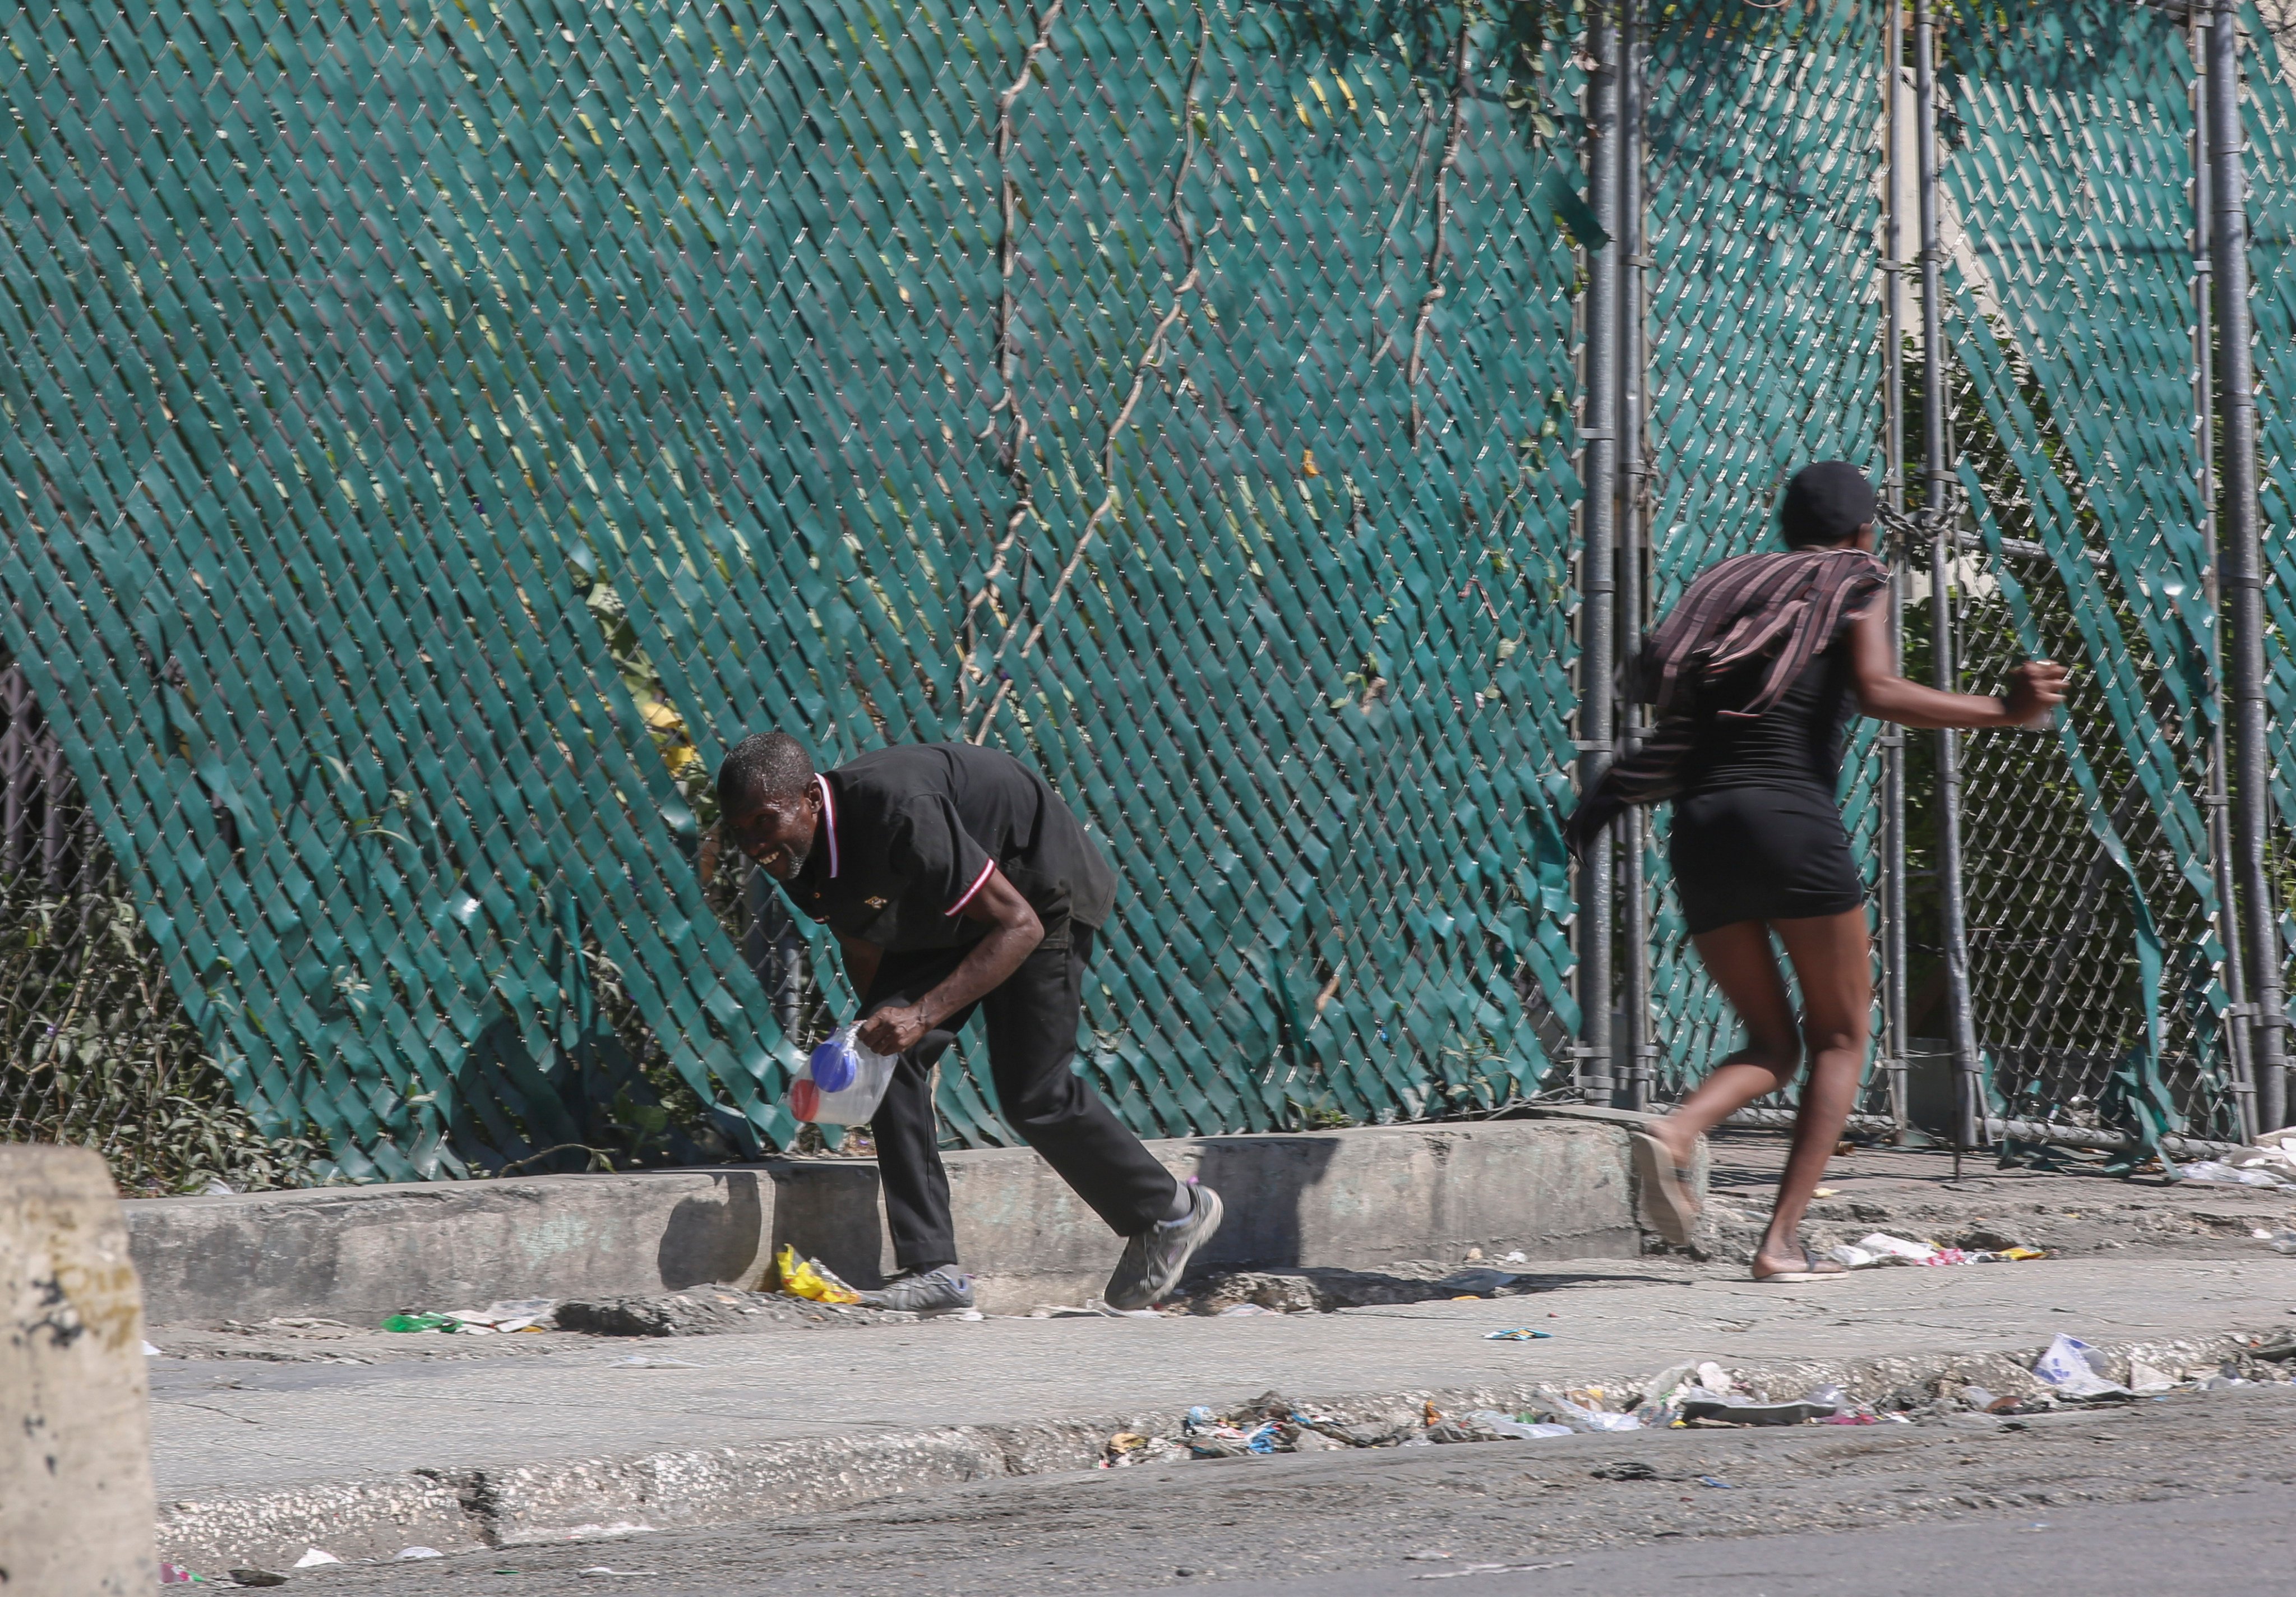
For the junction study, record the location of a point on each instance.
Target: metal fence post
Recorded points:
(1598, 573)
(2241, 557)
(2219, 783)
(1936, 500)
(1634, 906)
(1893, 489)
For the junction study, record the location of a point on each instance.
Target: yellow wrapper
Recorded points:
(804, 1278)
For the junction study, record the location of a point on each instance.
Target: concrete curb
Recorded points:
(578, 1499)
(1548, 1188)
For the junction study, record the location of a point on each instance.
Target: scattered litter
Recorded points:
(1423, 1557)
(2279, 1242)
(1128, 1448)
(1490, 1425)
(1732, 1410)
(151, 1352)
(1477, 1283)
(639, 1361)
(1583, 1417)
(1521, 1333)
(1514, 1257)
(504, 1315)
(2076, 1370)
(1882, 1248)
(2270, 1161)
(176, 1575)
(2145, 1379)
(1826, 1193)
(313, 1558)
(1716, 1482)
(1234, 1309)
(602, 1569)
(1626, 1470)
(258, 1577)
(2216, 1173)
(218, 1187)
(810, 1278)
(1491, 1569)
(404, 1553)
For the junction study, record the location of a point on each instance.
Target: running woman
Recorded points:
(1754, 675)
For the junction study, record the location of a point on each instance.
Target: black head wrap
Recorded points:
(1825, 504)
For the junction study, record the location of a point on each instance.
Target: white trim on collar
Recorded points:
(829, 814)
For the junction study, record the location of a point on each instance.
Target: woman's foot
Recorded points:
(1664, 1172)
(1793, 1264)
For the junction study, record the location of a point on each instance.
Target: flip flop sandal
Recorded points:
(1664, 1187)
(1812, 1269)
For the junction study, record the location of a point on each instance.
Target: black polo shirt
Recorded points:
(908, 836)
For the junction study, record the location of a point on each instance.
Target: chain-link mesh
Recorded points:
(438, 434)
(2270, 121)
(2091, 905)
(94, 1049)
(1176, 395)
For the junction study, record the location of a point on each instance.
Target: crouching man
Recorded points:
(956, 879)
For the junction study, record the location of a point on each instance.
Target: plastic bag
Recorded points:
(842, 1083)
(806, 1278)
(2209, 1172)
(2071, 1366)
(1580, 1418)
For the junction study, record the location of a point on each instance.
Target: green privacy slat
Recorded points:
(1766, 340)
(445, 321)
(2268, 106)
(392, 353)
(2099, 989)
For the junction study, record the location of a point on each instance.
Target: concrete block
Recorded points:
(76, 1513)
(360, 1253)
(1354, 1200)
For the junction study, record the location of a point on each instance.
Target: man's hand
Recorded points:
(894, 1031)
(2036, 688)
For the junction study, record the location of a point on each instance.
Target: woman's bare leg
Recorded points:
(1739, 959)
(1834, 968)
(1831, 962)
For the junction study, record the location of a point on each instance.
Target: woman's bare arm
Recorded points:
(2034, 687)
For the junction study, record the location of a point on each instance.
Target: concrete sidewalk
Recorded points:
(256, 1463)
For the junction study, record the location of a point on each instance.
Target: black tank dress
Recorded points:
(1757, 832)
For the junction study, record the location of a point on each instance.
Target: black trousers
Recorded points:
(1032, 1028)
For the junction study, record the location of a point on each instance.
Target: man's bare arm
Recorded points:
(1013, 933)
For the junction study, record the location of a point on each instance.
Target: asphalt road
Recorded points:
(2190, 1492)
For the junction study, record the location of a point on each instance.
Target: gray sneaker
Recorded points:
(944, 1290)
(1155, 1260)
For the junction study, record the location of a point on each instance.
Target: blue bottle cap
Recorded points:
(834, 1066)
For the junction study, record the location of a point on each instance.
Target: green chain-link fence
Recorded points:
(438, 433)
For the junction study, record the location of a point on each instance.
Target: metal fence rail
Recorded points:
(439, 433)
